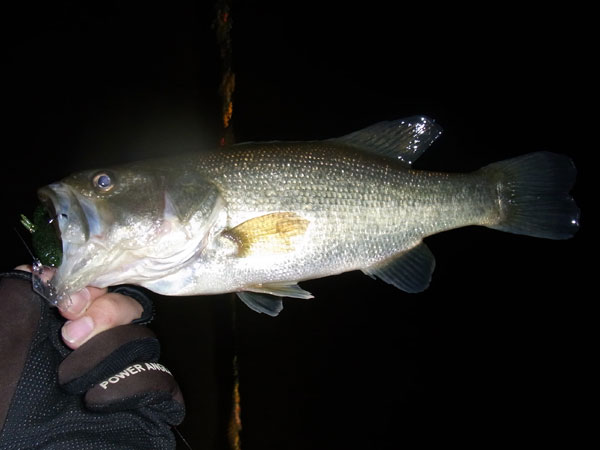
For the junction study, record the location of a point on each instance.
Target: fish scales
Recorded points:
(363, 209)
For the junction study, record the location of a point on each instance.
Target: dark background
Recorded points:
(492, 353)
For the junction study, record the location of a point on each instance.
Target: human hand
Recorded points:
(109, 393)
(93, 310)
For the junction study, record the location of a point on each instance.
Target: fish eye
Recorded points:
(103, 182)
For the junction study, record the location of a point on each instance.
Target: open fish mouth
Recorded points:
(53, 217)
(66, 214)
(46, 237)
(67, 221)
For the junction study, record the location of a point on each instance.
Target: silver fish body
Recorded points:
(257, 218)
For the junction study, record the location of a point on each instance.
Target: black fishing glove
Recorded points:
(108, 394)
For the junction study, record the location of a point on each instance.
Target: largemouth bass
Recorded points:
(257, 218)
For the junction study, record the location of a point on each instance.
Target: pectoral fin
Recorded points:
(269, 234)
(281, 290)
(411, 271)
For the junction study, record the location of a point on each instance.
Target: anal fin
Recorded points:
(410, 271)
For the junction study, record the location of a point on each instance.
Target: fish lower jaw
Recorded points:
(131, 268)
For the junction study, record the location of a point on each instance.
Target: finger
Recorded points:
(105, 312)
(79, 302)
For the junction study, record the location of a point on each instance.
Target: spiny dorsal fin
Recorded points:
(404, 139)
(268, 234)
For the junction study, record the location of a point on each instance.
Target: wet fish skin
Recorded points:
(257, 218)
(351, 200)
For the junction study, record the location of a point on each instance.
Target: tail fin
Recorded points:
(534, 195)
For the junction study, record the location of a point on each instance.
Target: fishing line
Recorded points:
(39, 277)
(185, 442)
(33, 258)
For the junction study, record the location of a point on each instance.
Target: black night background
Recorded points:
(489, 354)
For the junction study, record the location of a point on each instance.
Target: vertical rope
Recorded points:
(223, 31)
(222, 27)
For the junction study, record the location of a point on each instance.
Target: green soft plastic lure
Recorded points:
(44, 239)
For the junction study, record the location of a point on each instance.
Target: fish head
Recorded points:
(127, 224)
(95, 203)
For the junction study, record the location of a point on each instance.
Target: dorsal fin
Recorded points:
(404, 139)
